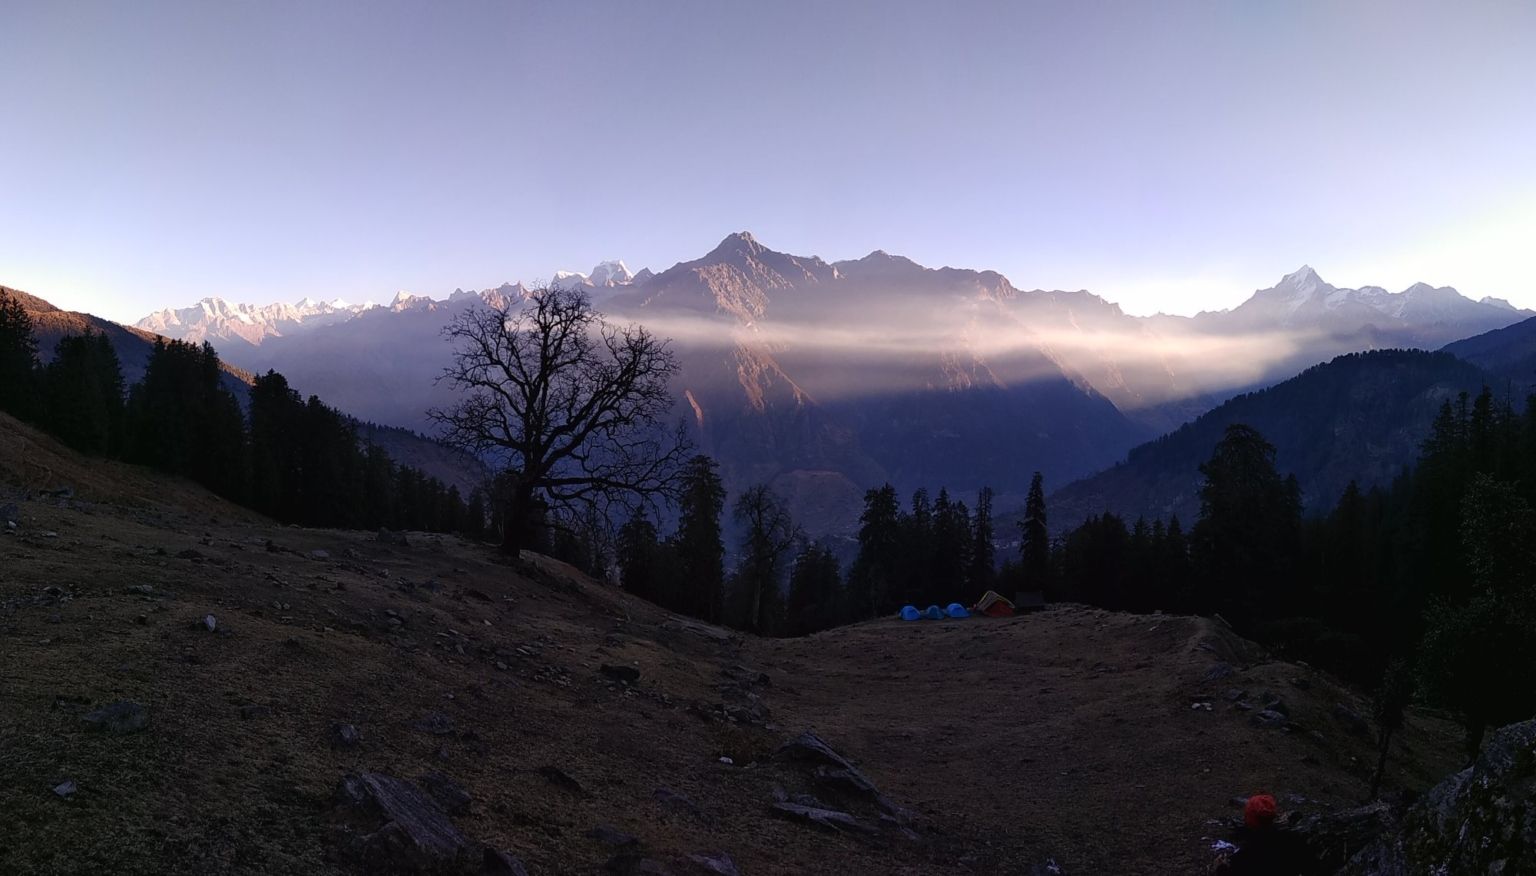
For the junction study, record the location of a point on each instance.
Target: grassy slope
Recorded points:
(1067, 733)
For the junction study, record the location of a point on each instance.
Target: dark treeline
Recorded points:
(932, 551)
(298, 461)
(1425, 587)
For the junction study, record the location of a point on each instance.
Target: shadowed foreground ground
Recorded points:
(1068, 734)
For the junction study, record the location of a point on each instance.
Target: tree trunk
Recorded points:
(516, 522)
(1475, 729)
(1381, 762)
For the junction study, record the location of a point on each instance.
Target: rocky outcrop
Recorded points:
(1480, 821)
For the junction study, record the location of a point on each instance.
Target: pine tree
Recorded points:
(698, 545)
(814, 592)
(84, 395)
(874, 580)
(641, 569)
(983, 571)
(474, 515)
(18, 359)
(1035, 551)
(1248, 530)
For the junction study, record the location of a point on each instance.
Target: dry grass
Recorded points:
(1002, 733)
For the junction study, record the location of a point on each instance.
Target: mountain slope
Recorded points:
(134, 345)
(1360, 417)
(1507, 354)
(484, 682)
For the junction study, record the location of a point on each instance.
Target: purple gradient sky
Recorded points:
(1168, 156)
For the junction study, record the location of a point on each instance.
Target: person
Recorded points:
(1267, 849)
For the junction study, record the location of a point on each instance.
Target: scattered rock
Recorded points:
(809, 746)
(632, 863)
(416, 833)
(66, 788)
(715, 862)
(1236, 693)
(561, 779)
(10, 513)
(1219, 671)
(448, 793)
(498, 863)
(253, 711)
(845, 778)
(1351, 720)
(120, 718)
(830, 819)
(1301, 683)
(1274, 703)
(435, 723)
(395, 538)
(1269, 719)
(320, 554)
(345, 736)
(210, 623)
(612, 836)
(671, 800)
(623, 673)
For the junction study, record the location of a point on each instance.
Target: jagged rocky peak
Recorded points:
(611, 273)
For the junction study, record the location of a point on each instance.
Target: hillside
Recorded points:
(133, 347)
(1507, 354)
(997, 744)
(1360, 417)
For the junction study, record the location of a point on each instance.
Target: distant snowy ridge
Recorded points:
(214, 319)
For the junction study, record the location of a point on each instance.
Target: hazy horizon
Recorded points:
(1168, 159)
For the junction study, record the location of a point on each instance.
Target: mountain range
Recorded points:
(826, 378)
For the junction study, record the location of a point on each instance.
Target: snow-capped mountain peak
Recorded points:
(610, 273)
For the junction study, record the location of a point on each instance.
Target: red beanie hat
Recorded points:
(1259, 811)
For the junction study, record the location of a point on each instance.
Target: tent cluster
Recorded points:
(991, 604)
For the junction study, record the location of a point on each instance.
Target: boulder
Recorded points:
(416, 836)
(1481, 820)
(448, 793)
(809, 746)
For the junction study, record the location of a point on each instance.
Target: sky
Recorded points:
(1170, 156)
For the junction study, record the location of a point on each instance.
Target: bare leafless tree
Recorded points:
(769, 535)
(569, 408)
